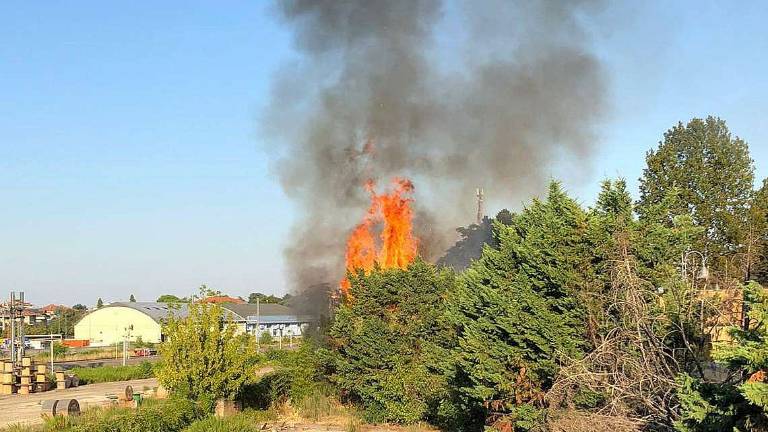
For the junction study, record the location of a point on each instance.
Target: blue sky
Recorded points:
(130, 160)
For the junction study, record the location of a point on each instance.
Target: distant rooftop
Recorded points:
(156, 311)
(222, 299)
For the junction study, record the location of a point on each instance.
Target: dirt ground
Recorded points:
(25, 409)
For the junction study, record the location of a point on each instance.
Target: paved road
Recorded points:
(25, 409)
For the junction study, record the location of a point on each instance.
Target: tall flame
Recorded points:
(397, 245)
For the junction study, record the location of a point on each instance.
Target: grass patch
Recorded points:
(114, 373)
(170, 415)
(247, 421)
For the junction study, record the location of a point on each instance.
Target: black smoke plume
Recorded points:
(495, 94)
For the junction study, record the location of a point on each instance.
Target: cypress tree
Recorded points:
(388, 344)
(517, 310)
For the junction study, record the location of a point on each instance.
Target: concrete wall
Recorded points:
(106, 326)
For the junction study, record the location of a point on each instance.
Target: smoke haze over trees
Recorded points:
(384, 89)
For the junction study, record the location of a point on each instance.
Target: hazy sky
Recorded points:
(130, 158)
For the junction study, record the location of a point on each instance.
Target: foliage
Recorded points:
(114, 373)
(264, 298)
(387, 342)
(170, 298)
(472, 239)
(132, 299)
(204, 357)
(711, 172)
(743, 404)
(517, 311)
(247, 421)
(757, 235)
(99, 303)
(62, 322)
(59, 350)
(265, 338)
(168, 416)
(298, 376)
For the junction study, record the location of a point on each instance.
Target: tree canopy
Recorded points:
(712, 175)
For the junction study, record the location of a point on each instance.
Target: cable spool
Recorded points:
(49, 407)
(68, 407)
(128, 393)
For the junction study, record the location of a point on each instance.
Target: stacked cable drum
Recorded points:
(7, 379)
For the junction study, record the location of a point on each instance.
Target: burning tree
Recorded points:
(397, 246)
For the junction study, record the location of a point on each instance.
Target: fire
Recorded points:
(397, 246)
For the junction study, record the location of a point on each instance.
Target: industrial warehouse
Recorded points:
(143, 321)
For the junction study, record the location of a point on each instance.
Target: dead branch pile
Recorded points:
(630, 363)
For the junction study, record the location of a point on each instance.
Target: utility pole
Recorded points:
(480, 209)
(258, 326)
(12, 317)
(16, 311)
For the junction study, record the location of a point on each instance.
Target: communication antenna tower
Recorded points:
(480, 209)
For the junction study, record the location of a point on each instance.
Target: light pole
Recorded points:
(126, 336)
(703, 272)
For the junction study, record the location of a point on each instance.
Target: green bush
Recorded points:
(114, 373)
(170, 415)
(204, 357)
(266, 339)
(247, 421)
(388, 343)
(59, 350)
(297, 376)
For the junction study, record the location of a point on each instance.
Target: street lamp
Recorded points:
(701, 273)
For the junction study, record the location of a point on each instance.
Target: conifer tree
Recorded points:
(740, 406)
(388, 343)
(518, 310)
(757, 237)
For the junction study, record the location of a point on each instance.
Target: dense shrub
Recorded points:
(114, 373)
(388, 342)
(297, 375)
(166, 416)
(170, 415)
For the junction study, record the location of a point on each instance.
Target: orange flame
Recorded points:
(398, 245)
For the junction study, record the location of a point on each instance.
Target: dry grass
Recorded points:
(578, 421)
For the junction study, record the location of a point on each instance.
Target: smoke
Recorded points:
(496, 94)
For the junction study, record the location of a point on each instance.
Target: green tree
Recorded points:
(204, 358)
(387, 342)
(643, 322)
(757, 237)
(712, 174)
(264, 298)
(170, 298)
(740, 405)
(132, 299)
(99, 303)
(518, 310)
(80, 307)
